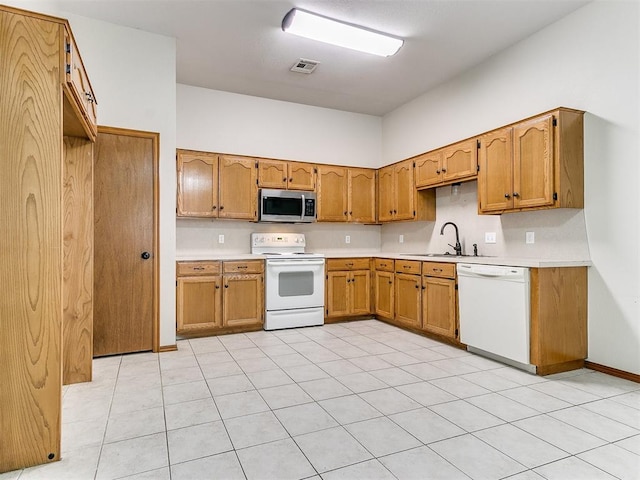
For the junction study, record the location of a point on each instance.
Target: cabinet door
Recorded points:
(495, 178)
(362, 195)
(407, 300)
(332, 194)
(78, 82)
(405, 192)
(272, 174)
(302, 176)
(360, 292)
(242, 303)
(238, 188)
(337, 287)
(199, 303)
(533, 163)
(439, 306)
(197, 184)
(429, 169)
(460, 160)
(385, 194)
(384, 294)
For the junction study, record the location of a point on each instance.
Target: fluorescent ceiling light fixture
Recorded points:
(316, 27)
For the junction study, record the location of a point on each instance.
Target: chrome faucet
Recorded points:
(457, 247)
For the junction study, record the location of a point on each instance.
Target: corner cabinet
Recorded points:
(219, 297)
(48, 126)
(217, 186)
(398, 199)
(534, 164)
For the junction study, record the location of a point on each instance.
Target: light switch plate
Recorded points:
(490, 237)
(530, 237)
(220, 238)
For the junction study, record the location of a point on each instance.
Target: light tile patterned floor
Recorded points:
(358, 400)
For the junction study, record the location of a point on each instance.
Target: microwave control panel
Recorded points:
(309, 207)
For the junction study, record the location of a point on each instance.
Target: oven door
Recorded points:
(294, 283)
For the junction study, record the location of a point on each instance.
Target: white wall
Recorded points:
(588, 60)
(133, 75)
(216, 121)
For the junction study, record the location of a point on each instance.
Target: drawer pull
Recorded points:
(350, 264)
(198, 268)
(406, 266)
(240, 267)
(437, 269)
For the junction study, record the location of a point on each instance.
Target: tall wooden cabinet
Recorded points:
(46, 235)
(397, 196)
(533, 164)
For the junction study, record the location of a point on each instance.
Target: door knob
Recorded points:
(145, 255)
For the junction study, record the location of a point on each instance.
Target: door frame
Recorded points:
(155, 139)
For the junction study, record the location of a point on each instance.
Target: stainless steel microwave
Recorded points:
(287, 206)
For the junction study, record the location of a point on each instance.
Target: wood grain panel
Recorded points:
(197, 184)
(408, 300)
(360, 295)
(429, 169)
(362, 195)
(302, 176)
(77, 291)
(243, 300)
(337, 293)
(384, 294)
(495, 179)
(405, 191)
(124, 222)
(31, 239)
(199, 303)
(238, 188)
(347, 263)
(272, 173)
(332, 194)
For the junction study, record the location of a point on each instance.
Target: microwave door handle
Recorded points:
(303, 205)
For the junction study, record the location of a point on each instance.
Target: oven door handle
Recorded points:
(303, 205)
(295, 263)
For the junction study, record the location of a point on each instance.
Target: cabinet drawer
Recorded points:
(254, 266)
(384, 264)
(348, 264)
(434, 269)
(186, 269)
(408, 266)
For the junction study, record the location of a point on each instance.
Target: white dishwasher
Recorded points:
(494, 311)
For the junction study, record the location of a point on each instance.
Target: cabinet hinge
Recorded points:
(456, 287)
(176, 283)
(315, 170)
(477, 143)
(67, 47)
(477, 168)
(257, 182)
(414, 164)
(414, 213)
(68, 69)
(555, 195)
(327, 311)
(256, 164)
(555, 122)
(456, 332)
(326, 277)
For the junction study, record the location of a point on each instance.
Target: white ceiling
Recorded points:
(238, 45)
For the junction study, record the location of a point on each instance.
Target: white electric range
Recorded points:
(294, 280)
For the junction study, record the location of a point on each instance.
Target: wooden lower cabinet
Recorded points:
(407, 300)
(384, 294)
(212, 297)
(348, 287)
(439, 299)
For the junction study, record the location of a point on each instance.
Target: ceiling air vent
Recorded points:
(304, 66)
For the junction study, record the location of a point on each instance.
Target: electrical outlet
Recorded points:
(401, 239)
(347, 239)
(530, 237)
(490, 237)
(220, 238)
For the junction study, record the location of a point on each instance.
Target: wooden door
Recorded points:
(495, 179)
(439, 306)
(337, 293)
(197, 184)
(302, 176)
(405, 191)
(125, 237)
(407, 300)
(242, 303)
(332, 194)
(460, 160)
(429, 169)
(272, 174)
(199, 303)
(360, 295)
(533, 163)
(386, 195)
(238, 188)
(383, 295)
(362, 195)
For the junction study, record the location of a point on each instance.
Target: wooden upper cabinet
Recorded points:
(362, 195)
(302, 176)
(272, 174)
(405, 191)
(534, 164)
(332, 194)
(386, 194)
(496, 180)
(238, 187)
(429, 169)
(197, 184)
(460, 161)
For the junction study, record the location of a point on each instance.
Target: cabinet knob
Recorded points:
(390, 211)
(221, 207)
(291, 179)
(395, 211)
(417, 286)
(226, 286)
(438, 172)
(424, 288)
(516, 194)
(217, 287)
(145, 255)
(214, 207)
(390, 282)
(444, 170)
(284, 179)
(346, 213)
(353, 280)
(506, 195)
(348, 280)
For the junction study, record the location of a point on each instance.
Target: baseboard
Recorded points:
(612, 371)
(167, 348)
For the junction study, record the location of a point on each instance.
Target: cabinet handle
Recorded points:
(437, 269)
(438, 172)
(406, 266)
(395, 211)
(348, 281)
(284, 179)
(383, 264)
(214, 207)
(89, 97)
(240, 267)
(516, 194)
(291, 179)
(417, 286)
(390, 211)
(390, 282)
(444, 170)
(424, 288)
(198, 268)
(350, 213)
(353, 280)
(217, 287)
(507, 196)
(226, 286)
